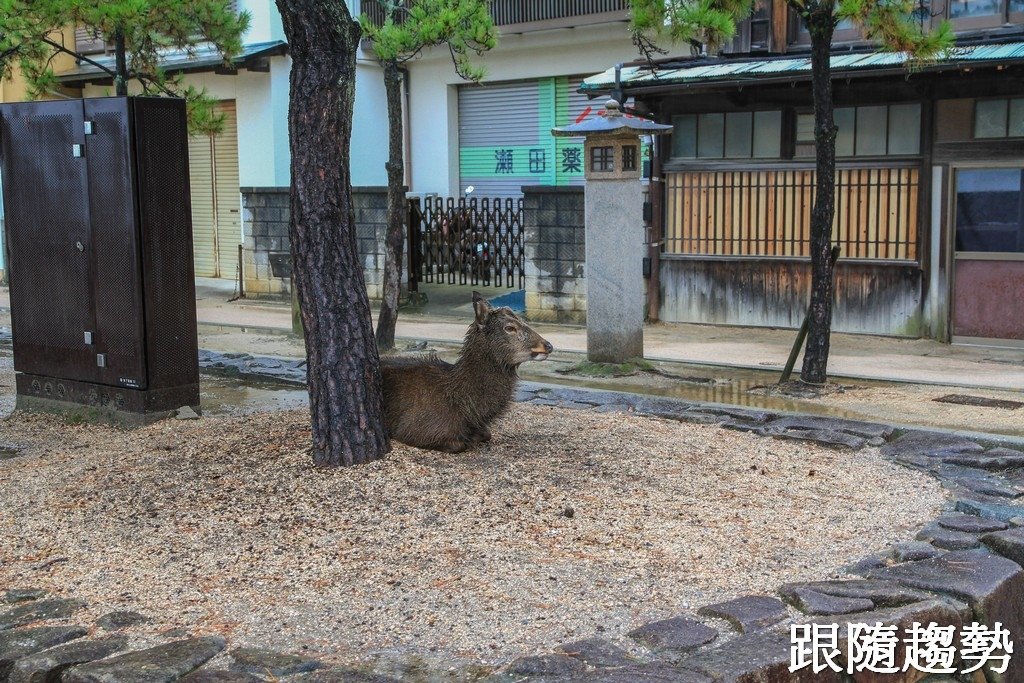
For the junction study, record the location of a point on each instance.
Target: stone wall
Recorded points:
(554, 244)
(265, 215)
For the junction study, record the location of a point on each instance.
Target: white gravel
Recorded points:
(223, 526)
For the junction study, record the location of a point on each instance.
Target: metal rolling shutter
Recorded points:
(493, 119)
(229, 199)
(505, 137)
(204, 233)
(216, 202)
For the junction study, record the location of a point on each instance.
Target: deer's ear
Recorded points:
(481, 308)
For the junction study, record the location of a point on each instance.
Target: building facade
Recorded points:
(251, 151)
(930, 172)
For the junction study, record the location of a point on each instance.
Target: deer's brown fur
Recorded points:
(449, 407)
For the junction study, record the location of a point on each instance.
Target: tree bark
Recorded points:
(120, 64)
(821, 24)
(396, 212)
(343, 368)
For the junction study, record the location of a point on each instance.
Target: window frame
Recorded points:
(804, 111)
(974, 119)
(607, 163)
(1004, 15)
(781, 111)
(955, 169)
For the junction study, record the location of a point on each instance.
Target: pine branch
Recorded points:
(77, 55)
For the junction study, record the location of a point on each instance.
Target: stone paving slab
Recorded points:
(343, 675)
(14, 595)
(970, 523)
(987, 461)
(749, 612)
(991, 584)
(553, 665)
(931, 444)
(814, 603)
(260, 661)
(23, 642)
(247, 366)
(1002, 512)
(597, 652)
(678, 634)
(653, 672)
(113, 621)
(881, 594)
(1008, 543)
(910, 551)
(38, 610)
(948, 539)
(823, 437)
(221, 676)
(940, 612)
(755, 657)
(865, 430)
(48, 665)
(161, 664)
(978, 481)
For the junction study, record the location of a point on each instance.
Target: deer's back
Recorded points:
(418, 408)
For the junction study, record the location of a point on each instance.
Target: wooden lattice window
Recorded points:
(768, 212)
(602, 159)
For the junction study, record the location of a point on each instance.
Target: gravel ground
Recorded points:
(568, 524)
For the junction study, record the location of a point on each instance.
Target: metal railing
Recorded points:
(511, 12)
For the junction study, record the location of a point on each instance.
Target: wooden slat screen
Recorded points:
(768, 212)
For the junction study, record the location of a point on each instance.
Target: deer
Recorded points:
(432, 404)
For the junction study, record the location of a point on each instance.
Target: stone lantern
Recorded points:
(614, 232)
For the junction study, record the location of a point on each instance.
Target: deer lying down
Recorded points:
(433, 404)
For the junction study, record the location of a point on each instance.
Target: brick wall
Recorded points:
(265, 216)
(554, 245)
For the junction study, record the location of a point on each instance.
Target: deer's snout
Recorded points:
(541, 349)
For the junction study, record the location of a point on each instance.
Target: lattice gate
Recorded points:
(459, 241)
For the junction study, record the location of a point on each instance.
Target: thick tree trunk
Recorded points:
(821, 24)
(344, 374)
(396, 212)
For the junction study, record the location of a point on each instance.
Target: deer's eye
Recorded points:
(510, 328)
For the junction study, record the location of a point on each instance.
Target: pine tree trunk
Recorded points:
(821, 24)
(343, 369)
(120, 64)
(396, 212)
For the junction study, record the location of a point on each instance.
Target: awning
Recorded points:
(179, 61)
(706, 73)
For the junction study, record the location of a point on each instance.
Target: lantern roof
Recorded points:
(611, 122)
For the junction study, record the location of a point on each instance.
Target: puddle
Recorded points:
(207, 328)
(224, 396)
(736, 392)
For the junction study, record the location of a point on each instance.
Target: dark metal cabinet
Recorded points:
(99, 228)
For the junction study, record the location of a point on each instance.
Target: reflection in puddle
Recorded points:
(735, 393)
(224, 396)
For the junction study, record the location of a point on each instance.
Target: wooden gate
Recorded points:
(459, 241)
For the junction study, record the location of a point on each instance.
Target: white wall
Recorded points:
(262, 125)
(433, 88)
(265, 23)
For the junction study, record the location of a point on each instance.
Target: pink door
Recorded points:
(988, 271)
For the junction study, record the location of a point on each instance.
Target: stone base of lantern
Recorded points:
(615, 283)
